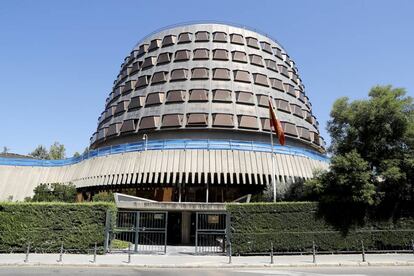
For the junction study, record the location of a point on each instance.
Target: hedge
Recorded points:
(46, 225)
(292, 227)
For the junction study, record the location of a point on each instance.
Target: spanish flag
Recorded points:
(275, 124)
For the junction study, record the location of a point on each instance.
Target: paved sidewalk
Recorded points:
(191, 261)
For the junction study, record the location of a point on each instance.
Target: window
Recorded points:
(303, 133)
(164, 58)
(169, 40)
(129, 126)
(223, 120)
(290, 89)
(221, 74)
(271, 64)
(172, 120)
(129, 86)
(102, 133)
(150, 122)
(198, 95)
(199, 73)
(239, 56)
(221, 95)
(159, 77)
(296, 110)
(256, 60)
(142, 81)
(282, 105)
(121, 107)
(148, 62)
(142, 50)
(123, 75)
(283, 70)
(117, 91)
(260, 79)
(182, 55)
(179, 74)
(219, 37)
(202, 36)
(276, 84)
(301, 96)
(113, 129)
(154, 98)
(293, 76)
(252, 42)
(110, 111)
(289, 129)
(154, 45)
(263, 100)
(278, 53)
(175, 96)
(135, 68)
(136, 102)
(244, 97)
(242, 76)
(246, 121)
(236, 39)
(315, 138)
(197, 119)
(265, 124)
(184, 38)
(266, 47)
(201, 54)
(220, 54)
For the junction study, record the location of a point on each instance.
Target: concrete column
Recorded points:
(185, 227)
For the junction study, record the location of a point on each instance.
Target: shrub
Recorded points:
(46, 225)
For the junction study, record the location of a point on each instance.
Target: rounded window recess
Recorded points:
(197, 119)
(184, 38)
(219, 37)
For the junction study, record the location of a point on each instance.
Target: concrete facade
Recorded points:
(198, 83)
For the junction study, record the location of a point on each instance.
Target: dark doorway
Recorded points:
(174, 228)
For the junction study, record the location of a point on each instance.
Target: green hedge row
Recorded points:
(292, 227)
(46, 225)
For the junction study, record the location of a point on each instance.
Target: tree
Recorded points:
(40, 153)
(5, 150)
(372, 148)
(54, 192)
(57, 151)
(76, 154)
(108, 197)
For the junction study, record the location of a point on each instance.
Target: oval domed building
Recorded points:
(187, 119)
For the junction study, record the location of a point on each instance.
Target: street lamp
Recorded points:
(145, 137)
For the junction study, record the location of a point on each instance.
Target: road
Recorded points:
(126, 271)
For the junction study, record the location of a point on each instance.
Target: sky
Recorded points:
(58, 59)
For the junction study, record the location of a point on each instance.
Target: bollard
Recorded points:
(314, 252)
(271, 253)
(230, 252)
(129, 253)
(94, 253)
(412, 245)
(61, 253)
(26, 260)
(363, 251)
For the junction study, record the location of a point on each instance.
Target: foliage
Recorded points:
(54, 192)
(106, 197)
(5, 150)
(40, 153)
(47, 225)
(76, 154)
(373, 157)
(119, 244)
(292, 226)
(57, 151)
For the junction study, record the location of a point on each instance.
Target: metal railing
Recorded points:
(173, 144)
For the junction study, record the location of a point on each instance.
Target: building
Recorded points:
(187, 120)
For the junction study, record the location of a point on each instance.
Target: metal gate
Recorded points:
(140, 231)
(210, 235)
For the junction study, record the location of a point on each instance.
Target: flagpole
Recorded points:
(273, 158)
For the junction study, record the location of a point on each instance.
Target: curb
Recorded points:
(208, 266)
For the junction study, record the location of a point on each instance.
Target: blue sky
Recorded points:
(58, 59)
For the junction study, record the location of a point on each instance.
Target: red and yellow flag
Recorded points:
(275, 124)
